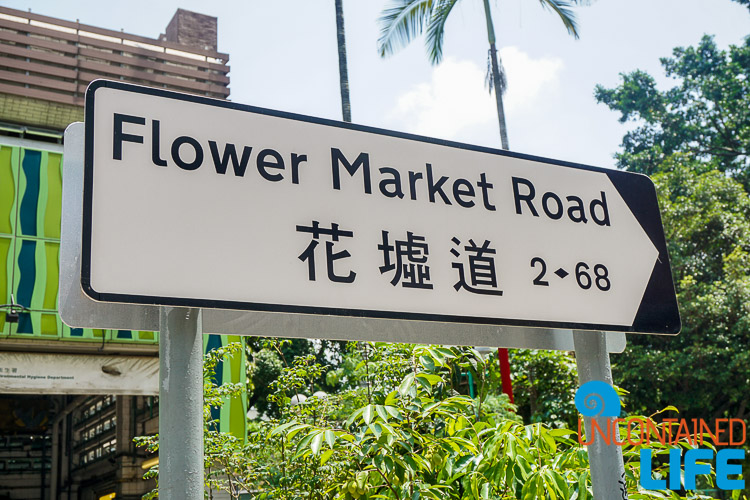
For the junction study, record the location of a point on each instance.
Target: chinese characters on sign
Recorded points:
(415, 272)
(309, 254)
(406, 261)
(481, 268)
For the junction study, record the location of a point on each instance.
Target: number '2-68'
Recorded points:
(585, 280)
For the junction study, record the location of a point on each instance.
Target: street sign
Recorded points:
(195, 202)
(79, 310)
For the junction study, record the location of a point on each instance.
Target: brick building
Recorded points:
(64, 445)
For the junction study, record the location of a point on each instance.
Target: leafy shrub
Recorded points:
(401, 427)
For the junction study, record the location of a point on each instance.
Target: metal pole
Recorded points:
(55, 473)
(180, 404)
(607, 467)
(504, 361)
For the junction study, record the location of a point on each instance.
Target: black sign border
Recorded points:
(658, 312)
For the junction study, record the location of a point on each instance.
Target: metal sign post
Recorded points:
(180, 404)
(605, 461)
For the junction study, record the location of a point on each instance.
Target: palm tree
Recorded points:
(346, 107)
(406, 20)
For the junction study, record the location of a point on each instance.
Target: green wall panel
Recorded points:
(51, 210)
(232, 416)
(134, 335)
(8, 188)
(6, 267)
(37, 323)
(36, 276)
(39, 193)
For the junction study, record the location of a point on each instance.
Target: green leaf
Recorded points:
(295, 429)
(382, 412)
(449, 446)
(389, 465)
(462, 462)
(401, 23)
(550, 441)
(447, 353)
(432, 378)
(325, 456)
(485, 490)
(461, 423)
(561, 432)
(354, 416)
(405, 385)
(562, 485)
(421, 462)
(302, 453)
(531, 489)
(468, 445)
(411, 463)
(367, 414)
(305, 441)
(473, 361)
(387, 429)
(316, 443)
(424, 382)
(347, 437)
(582, 482)
(475, 487)
(669, 408)
(330, 438)
(281, 428)
(549, 485)
(361, 479)
(427, 362)
(437, 357)
(390, 400)
(394, 412)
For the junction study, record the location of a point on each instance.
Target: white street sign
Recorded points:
(41, 373)
(197, 202)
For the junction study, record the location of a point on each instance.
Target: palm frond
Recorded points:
(489, 80)
(436, 29)
(401, 23)
(563, 9)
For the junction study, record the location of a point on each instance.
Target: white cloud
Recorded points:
(528, 79)
(456, 100)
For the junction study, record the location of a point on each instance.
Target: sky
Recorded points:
(283, 56)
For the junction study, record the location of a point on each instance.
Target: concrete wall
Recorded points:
(38, 113)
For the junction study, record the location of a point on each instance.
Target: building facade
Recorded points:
(47, 63)
(58, 445)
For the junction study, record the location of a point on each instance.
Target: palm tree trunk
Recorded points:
(496, 77)
(346, 107)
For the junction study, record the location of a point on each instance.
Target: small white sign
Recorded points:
(191, 201)
(37, 373)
